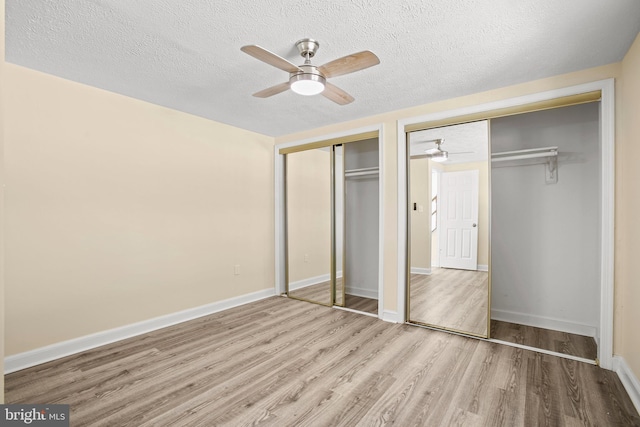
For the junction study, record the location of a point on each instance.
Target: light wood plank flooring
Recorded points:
(283, 362)
(451, 299)
(561, 342)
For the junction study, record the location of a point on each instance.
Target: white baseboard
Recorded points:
(483, 267)
(362, 292)
(420, 270)
(51, 352)
(628, 379)
(544, 322)
(391, 316)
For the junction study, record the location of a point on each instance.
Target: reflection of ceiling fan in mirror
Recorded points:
(437, 154)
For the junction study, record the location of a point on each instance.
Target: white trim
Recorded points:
(381, 200)
(544, 322)
(607, 138)
(280, 260)
(420, 270)
(55, 351)
(544, 351)
(607, 220)
(391, 316)
(628, 379)
(483, 267)
(362, 292)
(403, 231)
(280, 274)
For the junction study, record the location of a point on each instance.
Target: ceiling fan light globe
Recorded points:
(307, 84)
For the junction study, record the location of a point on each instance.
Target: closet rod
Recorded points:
(525, 154)
(372, 169)
(361, 172)
(365, 173)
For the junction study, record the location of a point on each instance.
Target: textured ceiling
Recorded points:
(186, 54)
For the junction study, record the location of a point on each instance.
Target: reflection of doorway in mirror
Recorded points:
(459, 220)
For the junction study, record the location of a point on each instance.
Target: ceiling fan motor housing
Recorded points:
(307, 47)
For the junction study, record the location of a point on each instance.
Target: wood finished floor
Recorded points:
(561, 342)
(283, 362)
(451, 299)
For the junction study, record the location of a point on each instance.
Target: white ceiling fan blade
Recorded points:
(270, 58)
(273, 90)
(349, 64)
(336, 94)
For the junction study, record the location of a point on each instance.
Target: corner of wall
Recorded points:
(627, 277)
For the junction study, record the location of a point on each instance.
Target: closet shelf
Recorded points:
(361, 172)
(548, 154)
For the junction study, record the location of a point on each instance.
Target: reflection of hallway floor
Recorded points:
(561, 342)
(321, 293)
(451, 299)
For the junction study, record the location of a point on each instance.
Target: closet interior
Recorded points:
(332, 225)
(504, 229)
(545, 188)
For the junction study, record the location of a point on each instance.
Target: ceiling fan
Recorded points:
(437, 154)
(308, 79)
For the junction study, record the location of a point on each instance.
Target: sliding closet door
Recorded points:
(448, 191)
(309, 225)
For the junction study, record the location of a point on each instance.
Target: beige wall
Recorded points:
(390, 145)
(118, 211)
(627, 274)
(1, 200)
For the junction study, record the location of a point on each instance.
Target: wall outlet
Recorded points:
(306, 257)
(236, 269)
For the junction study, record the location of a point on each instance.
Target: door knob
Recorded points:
(474, 224)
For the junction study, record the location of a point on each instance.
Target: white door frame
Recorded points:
(607, 139)
(280, 261)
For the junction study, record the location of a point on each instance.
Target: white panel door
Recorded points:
(459, 220)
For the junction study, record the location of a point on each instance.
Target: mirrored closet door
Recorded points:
(309, 225)
(332, 225)
(448, 193)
